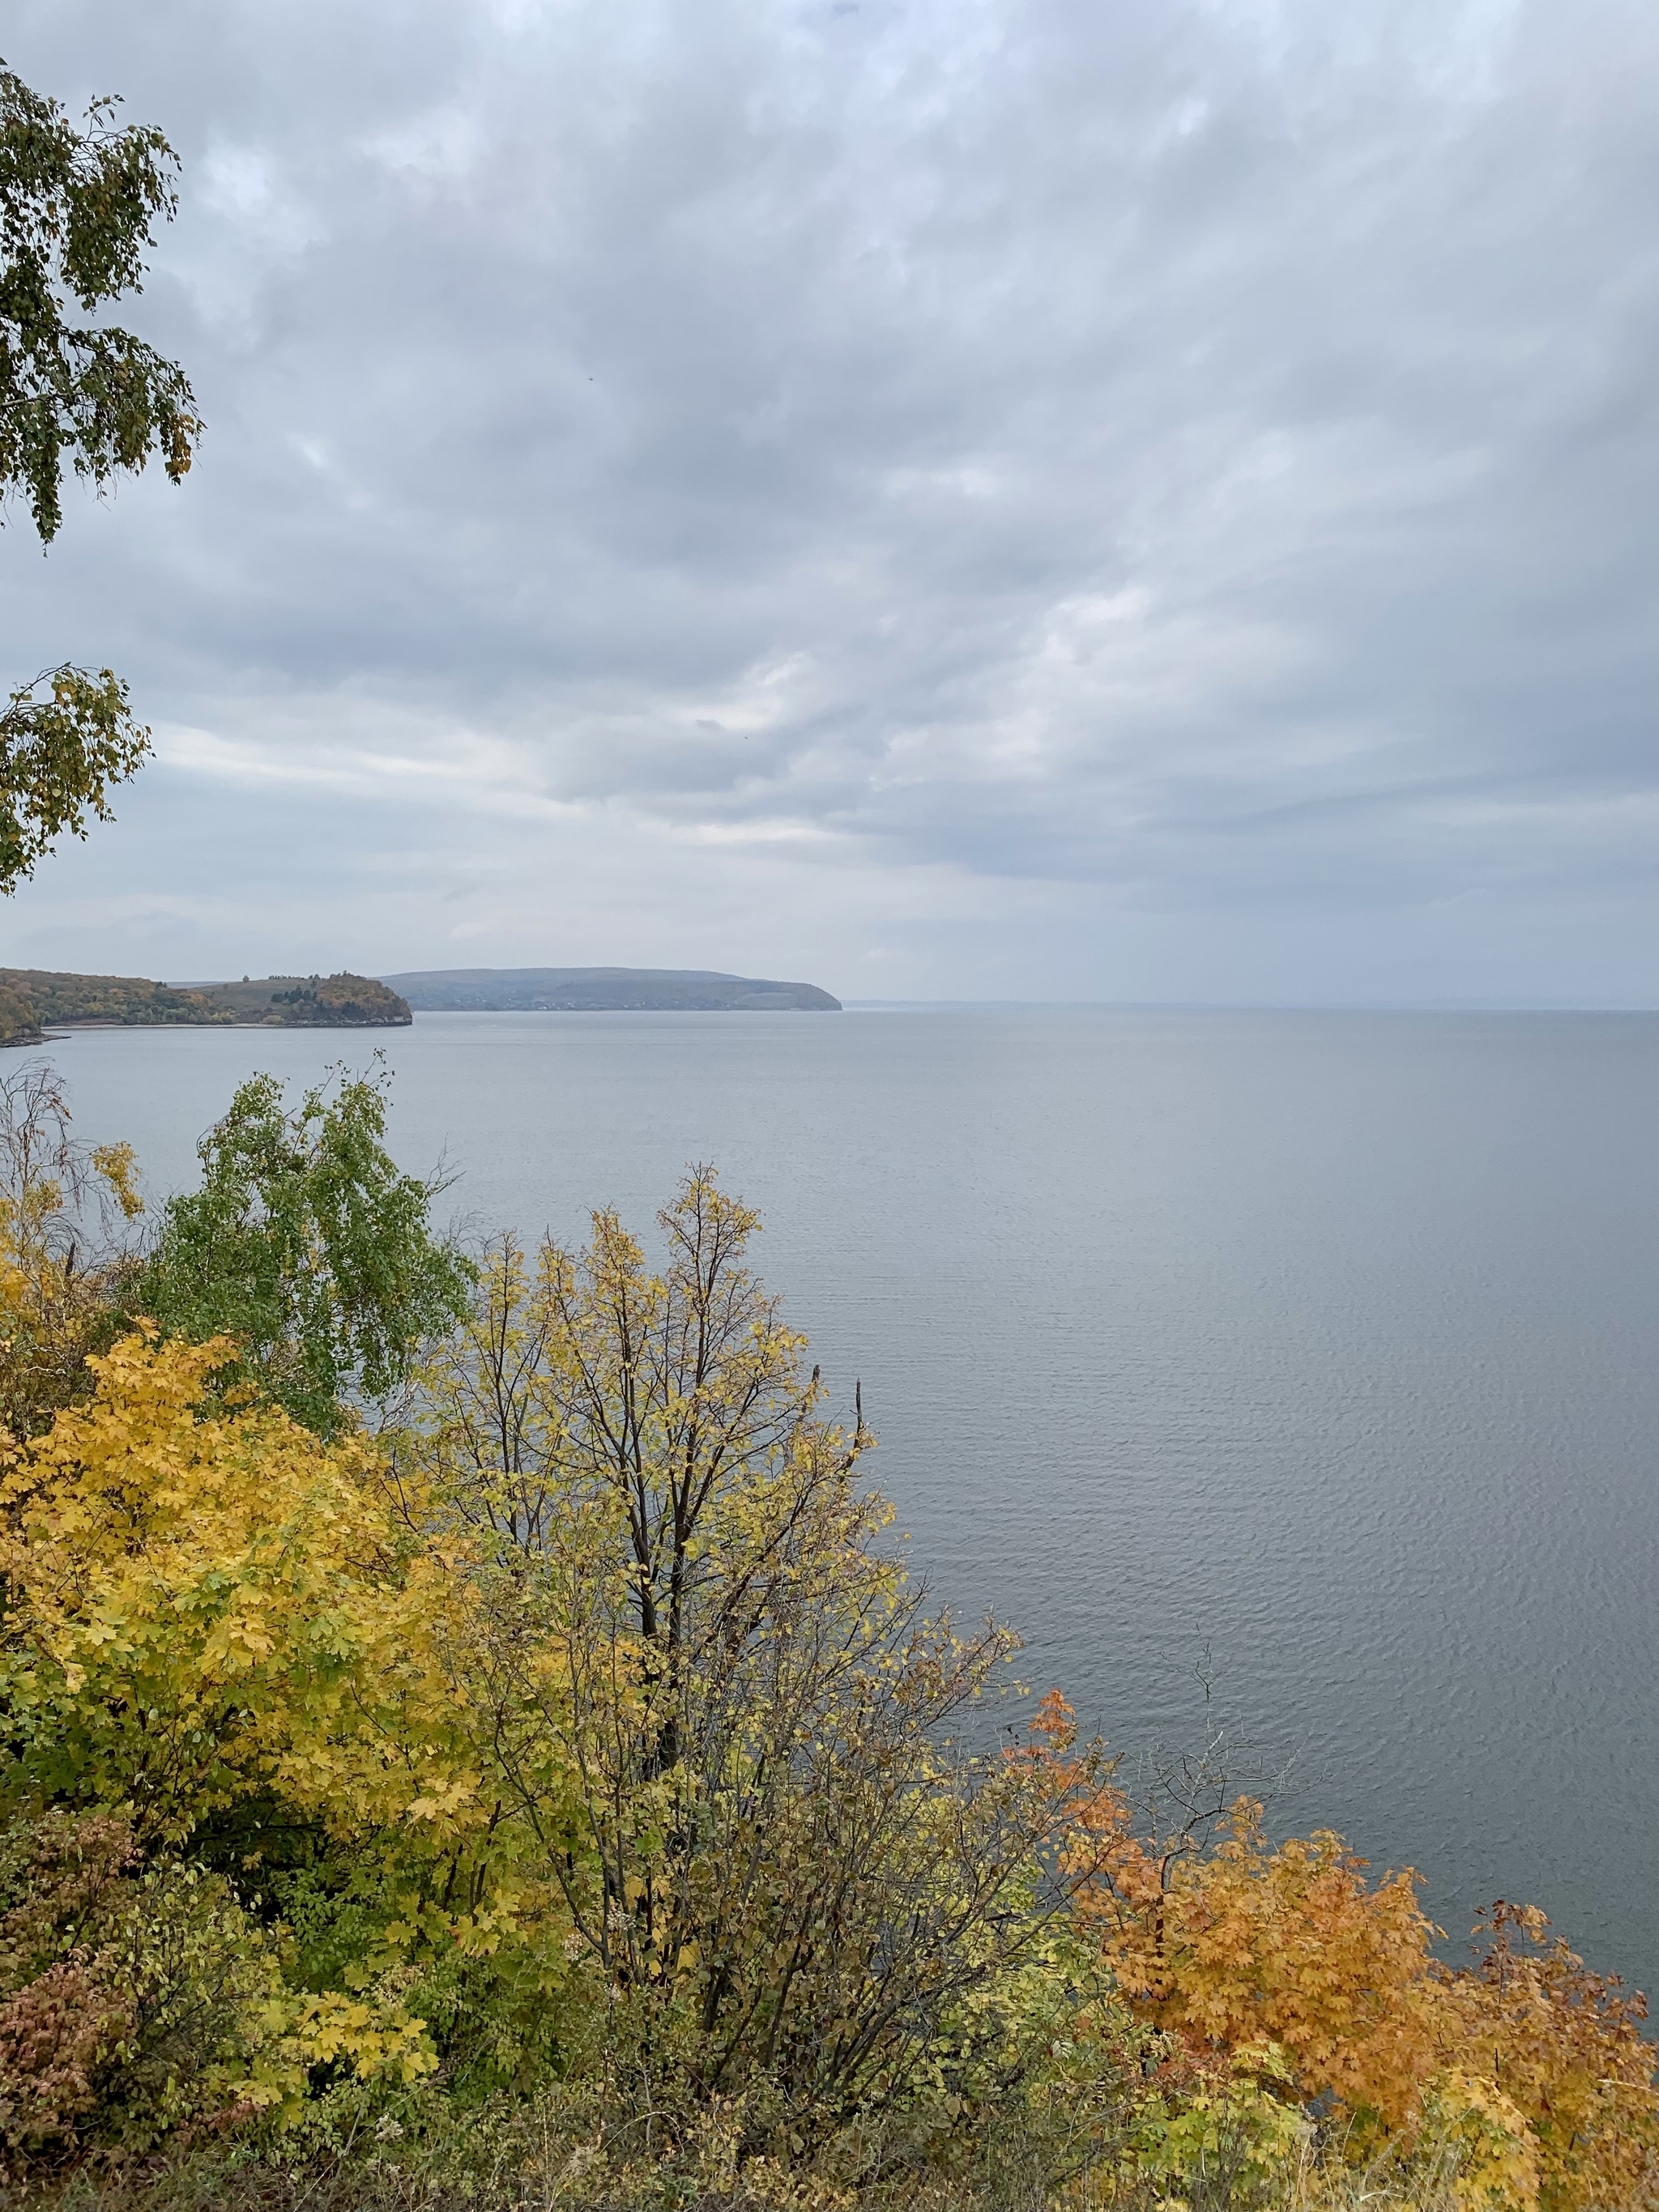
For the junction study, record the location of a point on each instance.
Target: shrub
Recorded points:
(132, 1997)
(1525, 2079)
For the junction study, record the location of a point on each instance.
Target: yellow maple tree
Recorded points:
(201, 1603)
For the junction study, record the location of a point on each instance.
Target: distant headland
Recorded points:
(34, 1000)
(603, 990)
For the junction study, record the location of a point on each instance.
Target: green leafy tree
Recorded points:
(78, 208)
(59, 754)
(307, 1244)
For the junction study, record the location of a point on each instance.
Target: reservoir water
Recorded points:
(1323, 1340)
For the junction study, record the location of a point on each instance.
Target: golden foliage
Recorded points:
(1288, 1946)
(780, 1868)
(201, 1604)
(1525, 2080)
(1564, 2047)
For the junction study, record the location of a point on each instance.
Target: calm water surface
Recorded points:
(1323, 1340)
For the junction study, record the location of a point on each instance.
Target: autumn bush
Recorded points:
(1531, 2072)
(135, 1994)
(499, 1759)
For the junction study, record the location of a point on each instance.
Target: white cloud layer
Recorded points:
(1044, 498)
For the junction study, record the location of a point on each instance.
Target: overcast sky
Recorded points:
(958, 498)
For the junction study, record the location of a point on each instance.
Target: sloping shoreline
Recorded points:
(603, 990)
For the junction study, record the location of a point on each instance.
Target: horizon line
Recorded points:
(1471, 1005)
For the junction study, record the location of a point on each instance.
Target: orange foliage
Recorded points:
(1566, 2045)
(1291, 1946)
(1287, 1946)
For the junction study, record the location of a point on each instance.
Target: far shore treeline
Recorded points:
(33, 999)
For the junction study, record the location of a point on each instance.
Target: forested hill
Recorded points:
(601, 990)
(341, 1001)
(31, 998)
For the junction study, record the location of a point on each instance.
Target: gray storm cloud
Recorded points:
(1048, 500)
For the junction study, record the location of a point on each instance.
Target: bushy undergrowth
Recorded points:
(504, 1765)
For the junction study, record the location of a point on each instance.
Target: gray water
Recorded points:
(1325, 1340)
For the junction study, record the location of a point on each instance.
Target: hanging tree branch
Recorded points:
(78, 214)
(59, 754)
